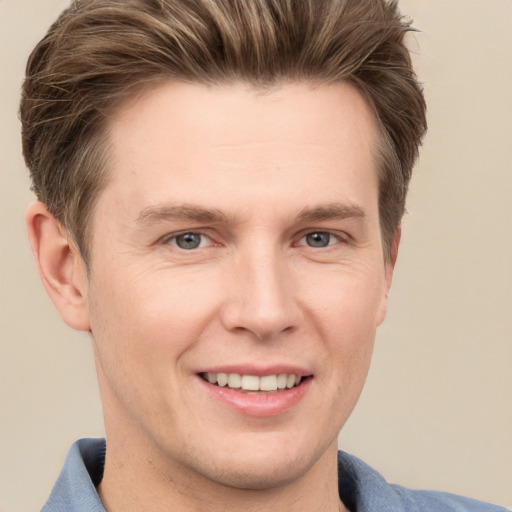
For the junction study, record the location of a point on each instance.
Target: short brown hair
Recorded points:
(99, 52)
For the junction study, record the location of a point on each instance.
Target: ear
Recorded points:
(61, 267)
(389, 269)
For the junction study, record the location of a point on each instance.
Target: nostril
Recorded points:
(265, 335)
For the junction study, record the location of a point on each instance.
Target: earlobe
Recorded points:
(61, 267)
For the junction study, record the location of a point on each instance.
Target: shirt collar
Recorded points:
(362, 489)
(75, 489)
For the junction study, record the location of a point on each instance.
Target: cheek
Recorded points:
(346, 318)
(346, 299)
(142, 331)
(149, 316)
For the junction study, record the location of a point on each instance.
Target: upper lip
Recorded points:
(259, 371)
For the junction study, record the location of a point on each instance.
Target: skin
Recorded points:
(253, 174)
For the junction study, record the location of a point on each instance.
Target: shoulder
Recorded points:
(434, 500)
(363, 489)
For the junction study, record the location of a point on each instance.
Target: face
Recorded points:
(237, 277)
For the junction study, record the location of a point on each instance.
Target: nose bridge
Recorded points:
(261, 299)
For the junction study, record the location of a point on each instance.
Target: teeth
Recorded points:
(268, 383)
(234, 381)
(290, 381)
(281, 380)
(222, 379)
(252, 382)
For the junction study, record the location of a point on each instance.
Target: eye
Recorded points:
(189, 241)
(319, 239)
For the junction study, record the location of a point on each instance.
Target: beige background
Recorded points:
(437, 410)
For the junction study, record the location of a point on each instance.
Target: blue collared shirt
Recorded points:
(361, 488)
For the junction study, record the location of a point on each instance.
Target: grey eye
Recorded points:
(318, 239)
(188, 241)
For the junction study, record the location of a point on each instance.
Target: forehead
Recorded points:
(233, 140)
(239, 113)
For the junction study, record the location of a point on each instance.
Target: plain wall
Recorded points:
(437, 409)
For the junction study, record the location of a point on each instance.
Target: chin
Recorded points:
(256, 475)
(260, 467)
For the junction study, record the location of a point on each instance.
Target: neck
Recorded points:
(134, 481)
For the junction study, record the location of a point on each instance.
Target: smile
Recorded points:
(252, 382)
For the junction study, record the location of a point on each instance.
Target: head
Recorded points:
(100, 54)
(224, 182)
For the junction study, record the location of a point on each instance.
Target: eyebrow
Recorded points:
(334, 211)
(193, 213)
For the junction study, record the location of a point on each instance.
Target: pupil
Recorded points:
(188, 241)
(318, 239)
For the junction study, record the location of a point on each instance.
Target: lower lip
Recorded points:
(258, 404)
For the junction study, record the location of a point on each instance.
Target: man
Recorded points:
(220, 187)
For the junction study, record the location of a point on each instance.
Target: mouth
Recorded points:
(253, 383)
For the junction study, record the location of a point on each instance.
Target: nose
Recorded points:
(260, 296)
